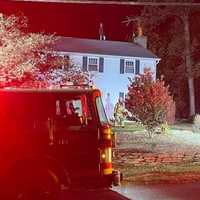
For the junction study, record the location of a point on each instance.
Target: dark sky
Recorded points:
(83, 20)
(73, 19)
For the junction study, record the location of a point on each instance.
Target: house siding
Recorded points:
(111, 80)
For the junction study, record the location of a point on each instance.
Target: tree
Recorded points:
(28, 59)
(174, 45)
(148, 100)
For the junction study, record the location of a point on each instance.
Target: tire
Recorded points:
(40, 184)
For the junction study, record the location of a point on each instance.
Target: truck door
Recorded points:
(76, 134)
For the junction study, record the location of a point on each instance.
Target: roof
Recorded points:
(102, 47)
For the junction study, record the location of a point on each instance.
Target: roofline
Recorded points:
(153, 56)
(105, 55)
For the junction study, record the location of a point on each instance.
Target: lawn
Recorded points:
(134, 126)
(128, 127)
(182, 139)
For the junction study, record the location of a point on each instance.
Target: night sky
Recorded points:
(82, 20)
(74, 20)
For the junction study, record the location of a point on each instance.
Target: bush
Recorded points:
(197, 123)
(149, 100)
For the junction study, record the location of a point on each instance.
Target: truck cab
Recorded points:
(53, 139)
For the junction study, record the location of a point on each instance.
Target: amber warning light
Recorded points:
(106, 152)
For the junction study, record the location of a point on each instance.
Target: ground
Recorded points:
(172, 157)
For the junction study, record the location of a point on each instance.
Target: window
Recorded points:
(101, 111)
(72, 110)
(129, 66)
(93, 64)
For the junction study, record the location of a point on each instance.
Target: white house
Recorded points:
(109, 63)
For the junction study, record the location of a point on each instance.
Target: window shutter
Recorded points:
(121, 66)
(101, 64)
(84, 63)
(137, 66)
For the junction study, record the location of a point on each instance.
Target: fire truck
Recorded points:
(53, 139)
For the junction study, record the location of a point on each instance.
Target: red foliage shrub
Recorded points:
(149, 100)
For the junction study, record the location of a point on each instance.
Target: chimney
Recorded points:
(101, 32)
(140, 39)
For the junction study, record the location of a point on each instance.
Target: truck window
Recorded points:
(74, 110)
(101, 111)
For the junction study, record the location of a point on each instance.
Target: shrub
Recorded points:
(196, 123)
(149, 100)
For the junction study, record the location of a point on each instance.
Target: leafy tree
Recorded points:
(149, 100)
(168, 30)
(28, 59)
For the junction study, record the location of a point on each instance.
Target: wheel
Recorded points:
(42, 184)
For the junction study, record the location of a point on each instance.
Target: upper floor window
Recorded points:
(93, 64)
(129, 66)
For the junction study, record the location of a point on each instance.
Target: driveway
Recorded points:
(161, 192)
(98, 194)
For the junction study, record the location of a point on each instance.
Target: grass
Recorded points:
(182, 126)
(130, 126)
(127, 129)
(163, 173)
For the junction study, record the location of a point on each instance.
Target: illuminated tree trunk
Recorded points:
(189, 64)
